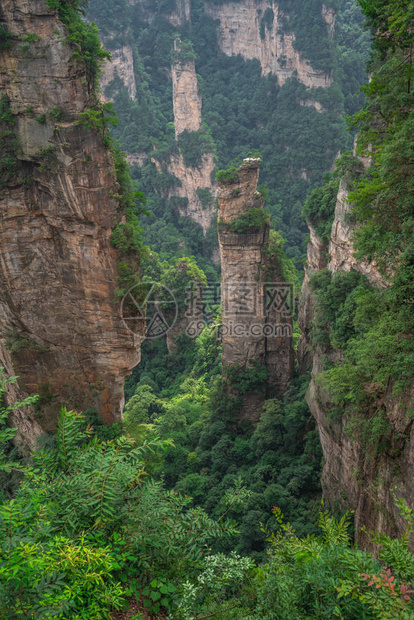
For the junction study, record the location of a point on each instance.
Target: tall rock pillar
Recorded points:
(186, 100)
(60, 326)
(256, 301)
(197, 187)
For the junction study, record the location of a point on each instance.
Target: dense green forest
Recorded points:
(178, 507)
(242, 110)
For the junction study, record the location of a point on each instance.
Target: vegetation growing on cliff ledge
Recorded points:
(83, 36)
(319, 208)
(91, 525)
(9, 145)
(250, 222)
(88, 529)
(193, 145)
(374, 326)
(5, 38)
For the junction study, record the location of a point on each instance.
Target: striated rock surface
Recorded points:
(340, 247)
(187, 117)
(60, 325)
(181, 14)
(191, 180)
(256, 327)
(316, 260)
(352, 478)
(186, 100)
(121, 65)
(241, 33)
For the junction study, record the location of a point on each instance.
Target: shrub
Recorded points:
(326, 577)
(5, 38)
(85, 520)
(229, 175)
(193, 144)
(87, 47)
(252, 221)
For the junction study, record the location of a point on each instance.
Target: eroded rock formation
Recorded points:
(242, 31)
(341, 256)
(256, 315)
(186, 100)
(352, 478)
(187, 117)
(121, 65)
(316, 260)
(181, 14)
(60, 325)
(193, 179)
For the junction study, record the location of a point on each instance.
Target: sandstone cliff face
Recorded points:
(240, 34)
(254, 329)
(352, 478)
(122, 65)
(187, 117)
(316, 260)
(340, 246)
(178, 16)
(181, 14)
(186, 100)
(191, 180)
(60, 327)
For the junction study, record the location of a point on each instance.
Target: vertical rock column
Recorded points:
(368, 482)
(256, 329)
(60, 326)
(187, 118)
(186, 100)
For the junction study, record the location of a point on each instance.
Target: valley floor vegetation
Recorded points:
(88, 528)
(178, 507)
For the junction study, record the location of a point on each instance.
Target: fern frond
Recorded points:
(69, 435)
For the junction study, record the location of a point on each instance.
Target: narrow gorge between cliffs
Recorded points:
(206, 309)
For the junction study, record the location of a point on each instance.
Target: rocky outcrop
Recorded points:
(341, 255)
(186, 100)
(60, 325)
(352, 478)
(355, 480)
(181, 14)
(193, 179)
(316, 260)
(245, 30)
(256, 322)
(329, 16)
(187, 117)
(311, 103)
(121, 65)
